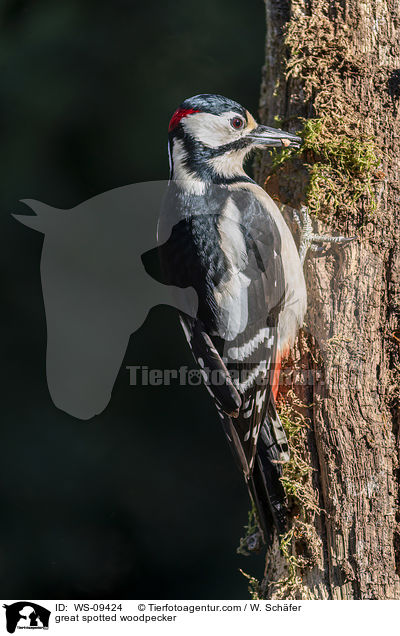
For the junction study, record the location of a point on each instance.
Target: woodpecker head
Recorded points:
(209, 138)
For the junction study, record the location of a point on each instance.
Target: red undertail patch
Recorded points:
(277, 372)
(281, 355)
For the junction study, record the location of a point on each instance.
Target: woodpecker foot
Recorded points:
(308, 239)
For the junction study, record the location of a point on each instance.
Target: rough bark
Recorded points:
(347, 64)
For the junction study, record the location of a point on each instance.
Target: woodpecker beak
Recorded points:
(264, 136)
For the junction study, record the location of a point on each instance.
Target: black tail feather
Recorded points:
(266, 488)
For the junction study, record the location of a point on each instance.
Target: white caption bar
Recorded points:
(84, 618)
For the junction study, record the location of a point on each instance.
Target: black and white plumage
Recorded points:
(221, 234)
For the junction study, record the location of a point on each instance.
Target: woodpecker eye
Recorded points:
(237, 123)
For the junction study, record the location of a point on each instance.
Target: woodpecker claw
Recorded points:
(308, 238)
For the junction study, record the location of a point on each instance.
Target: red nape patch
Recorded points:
(180, 114)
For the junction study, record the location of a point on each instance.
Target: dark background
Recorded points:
(143, 501)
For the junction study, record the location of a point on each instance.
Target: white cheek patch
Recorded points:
(211, 130)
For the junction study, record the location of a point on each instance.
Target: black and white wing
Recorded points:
(231, 257)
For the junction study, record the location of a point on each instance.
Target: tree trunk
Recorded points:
(337, 64)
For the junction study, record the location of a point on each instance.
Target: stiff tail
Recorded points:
(265, 487)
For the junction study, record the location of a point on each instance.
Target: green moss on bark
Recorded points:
(342, 166)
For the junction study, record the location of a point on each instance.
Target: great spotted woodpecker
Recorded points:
(221, 234)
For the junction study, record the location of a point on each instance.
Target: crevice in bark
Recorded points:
(321, 525)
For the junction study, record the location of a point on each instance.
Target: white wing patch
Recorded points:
(231, 293)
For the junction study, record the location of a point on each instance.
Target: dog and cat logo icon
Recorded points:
(26, 615)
